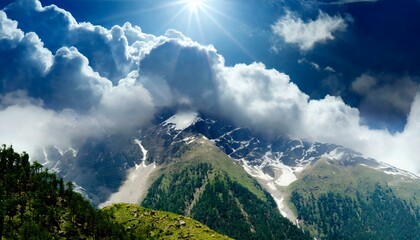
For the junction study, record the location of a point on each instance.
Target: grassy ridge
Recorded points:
(151, 224)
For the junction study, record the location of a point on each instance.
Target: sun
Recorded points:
(194, 5)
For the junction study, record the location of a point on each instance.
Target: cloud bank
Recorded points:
(307, 34)
(58, 89)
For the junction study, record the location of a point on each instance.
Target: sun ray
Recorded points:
(228, 34)
(172, 19)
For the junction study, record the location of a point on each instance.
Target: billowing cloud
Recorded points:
(55, 90)
(57, 28)
(306, 34)
(58, 99)
(254, 96)
(185, 69)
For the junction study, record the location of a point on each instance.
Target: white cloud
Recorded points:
(265, 99)
(329, 69)
(307, 34)
(8, 28)
(58, 99)
(314, 65)
(64, 97)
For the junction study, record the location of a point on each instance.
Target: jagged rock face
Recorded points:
(242, 144)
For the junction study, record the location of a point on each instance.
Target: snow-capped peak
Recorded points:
(182, 120)
(336, 154)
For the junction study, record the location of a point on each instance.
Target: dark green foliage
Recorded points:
(375, 215)
(235, 211)
(210, 196)
(176, 195)
(35, 204)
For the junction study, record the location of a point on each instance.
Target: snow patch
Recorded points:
(143, 150)
(188, 140)
(62, 152)
(74, 151)
(182, 120)
(79, 189)
(256, 172)
(281, 206)
(335, 154)
(287, 176)
(47, 161)
(272, 186)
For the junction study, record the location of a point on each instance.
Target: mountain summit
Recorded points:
(186, 158)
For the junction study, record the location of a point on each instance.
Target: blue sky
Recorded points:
(339, 71)
(380, 39)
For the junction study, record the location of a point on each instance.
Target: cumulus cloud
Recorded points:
(307, 34)
(183, 68)
(254, 96)
(108, 50)
(58, 99)
(56, 92)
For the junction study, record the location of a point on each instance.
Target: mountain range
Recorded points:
(242, 183)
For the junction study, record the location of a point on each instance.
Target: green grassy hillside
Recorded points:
(356, 202)
(205, 184)
(151, 224)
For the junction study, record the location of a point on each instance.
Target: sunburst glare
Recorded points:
(194, 5)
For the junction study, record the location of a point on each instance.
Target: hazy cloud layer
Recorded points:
(385, 96)
(352, 1)
(61, 94)
(307, 34)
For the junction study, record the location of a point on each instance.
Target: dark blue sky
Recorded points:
(380, 40)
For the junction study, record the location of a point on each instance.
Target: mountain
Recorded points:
(186, 157)
(192, 171)
(333, 191)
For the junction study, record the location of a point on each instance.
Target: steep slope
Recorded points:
(352, 201)
(151, 224)
(35, 204)
(202, 182)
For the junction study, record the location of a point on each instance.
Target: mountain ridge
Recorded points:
(276, 163)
